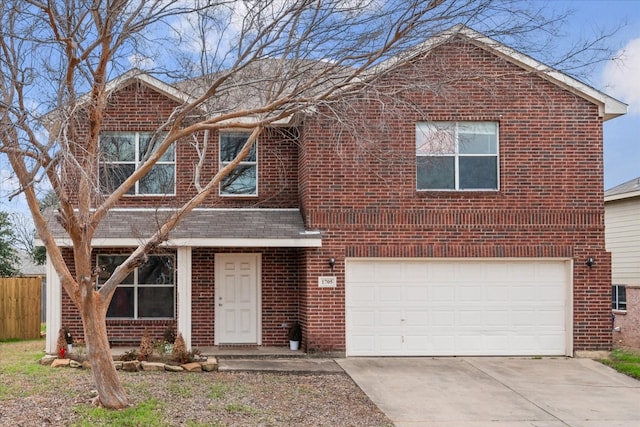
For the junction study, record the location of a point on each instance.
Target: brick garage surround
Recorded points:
(549, 202)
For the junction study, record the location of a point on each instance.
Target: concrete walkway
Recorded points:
(500, 392)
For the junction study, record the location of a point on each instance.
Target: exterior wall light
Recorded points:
(590, 262)
(332, 263)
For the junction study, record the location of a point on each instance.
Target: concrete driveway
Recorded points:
(500, 392)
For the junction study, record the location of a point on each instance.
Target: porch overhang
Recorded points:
(227, 228)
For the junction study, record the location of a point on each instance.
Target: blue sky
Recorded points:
(618, 79)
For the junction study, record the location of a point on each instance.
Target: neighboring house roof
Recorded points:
(202, 227)
(626, 190)
(28, 267)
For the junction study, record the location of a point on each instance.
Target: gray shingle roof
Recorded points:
(632, 186)
(202, 224)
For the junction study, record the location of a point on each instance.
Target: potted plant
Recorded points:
(295, 336)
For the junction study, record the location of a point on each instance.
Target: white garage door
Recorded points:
(457, 307)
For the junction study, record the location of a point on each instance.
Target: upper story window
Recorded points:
(618, 297)
(457, 156)
(147, 292)
(243, 180)
(123, 152)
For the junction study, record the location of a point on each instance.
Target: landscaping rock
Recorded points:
(173, 368)
(75, 364)
(118, 365)
(131, 366)
(210, 365)
(152, 366)
(47, 360)
(192, 367)
(58, 363)
(86, 364)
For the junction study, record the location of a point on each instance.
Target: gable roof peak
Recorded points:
(608, 106)
(136, 74)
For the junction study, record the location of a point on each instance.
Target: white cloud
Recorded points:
(621, 76)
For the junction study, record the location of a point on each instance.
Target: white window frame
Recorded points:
(137, 162)
(615, 298)
(242, 163)
(456, 154)
(135, 286)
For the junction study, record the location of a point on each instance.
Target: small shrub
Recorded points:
(79, 353)
(179, 349)
(169, 335)
(295, 332)
(162, 349)
(146, 346)
(61, 343)
(129, 356)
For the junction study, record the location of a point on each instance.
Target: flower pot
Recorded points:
(294, 345)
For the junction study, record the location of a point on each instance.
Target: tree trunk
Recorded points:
(111, 394)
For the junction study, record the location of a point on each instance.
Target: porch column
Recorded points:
(184, 293)
(54, 308)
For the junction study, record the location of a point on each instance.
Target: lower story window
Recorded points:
(619, 297)
(148, 291)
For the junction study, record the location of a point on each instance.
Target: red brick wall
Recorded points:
(138, 108)
(359, 188)
(549, 204)
(280, 287)
(121, 332)
(629, 321)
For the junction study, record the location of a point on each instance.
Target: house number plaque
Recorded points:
(327, 281)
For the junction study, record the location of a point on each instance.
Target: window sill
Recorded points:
(620, 312)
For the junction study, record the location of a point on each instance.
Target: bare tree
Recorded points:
(25, 232)
(289, 57)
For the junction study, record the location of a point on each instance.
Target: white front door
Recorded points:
(237, 302)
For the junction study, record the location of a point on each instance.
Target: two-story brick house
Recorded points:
(469, 221)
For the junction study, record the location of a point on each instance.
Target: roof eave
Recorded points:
(314, 242)
(622, 196)
(608, 107)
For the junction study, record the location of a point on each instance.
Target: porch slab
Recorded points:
(296, 366)
(233, 352)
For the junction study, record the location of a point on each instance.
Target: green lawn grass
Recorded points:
(624, 361)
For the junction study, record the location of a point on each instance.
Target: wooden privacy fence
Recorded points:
(20, 307)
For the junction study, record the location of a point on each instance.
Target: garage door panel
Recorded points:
(388, 319)
(442, 293)
(472, 293)
(440, 317)
(362, 295)
(390, 294)
(472, 273)
(416, 294)
(361, 318)
(365, 343)
(428, 307)
(467, 318)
